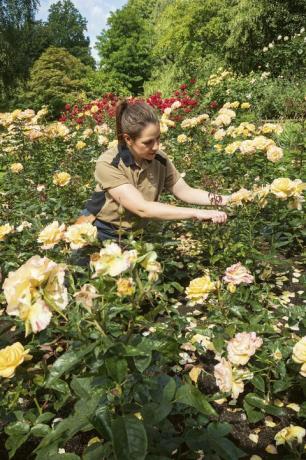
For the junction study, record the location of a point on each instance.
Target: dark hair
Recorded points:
(132, 117)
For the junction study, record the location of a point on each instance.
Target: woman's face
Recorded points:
(146, 145)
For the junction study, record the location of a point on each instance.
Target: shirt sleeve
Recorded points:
(109, 176)
(172, 175)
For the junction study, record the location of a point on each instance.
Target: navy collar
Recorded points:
(126, 156)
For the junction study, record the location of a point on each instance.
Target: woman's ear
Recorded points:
(127, 139)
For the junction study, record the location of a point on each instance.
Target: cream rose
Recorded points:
(242, 347)
(219, 134)
(16, 168)
(35, 288)
(11, 357)
(247, 147)
(274, 153)
(51, 235)
(262, 143)
(299, 355)
(80, 235)
(237, 274)
(111, 260)
(229, 379)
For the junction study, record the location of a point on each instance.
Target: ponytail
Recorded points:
(132, 117)
(120, 108)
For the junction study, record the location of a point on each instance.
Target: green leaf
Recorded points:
(281, 385)
(253, 415)
(191, 396)
(101, 420)
(14, 442)
(116, 368)
(258, 383)
(40, 430)
(95, 452)
(253, 400)
(17, 428)
(67, 361)
(129, 438)
(169, 390)
(153, 413)
(45, 417)
(142, 362)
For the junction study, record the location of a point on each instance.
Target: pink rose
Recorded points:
(237, 274)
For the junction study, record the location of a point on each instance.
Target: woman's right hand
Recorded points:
(217, 217)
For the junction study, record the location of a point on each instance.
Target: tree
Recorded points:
(255, 23)
(16, 28)
(125, 47)
(57, 77)
(66, 28)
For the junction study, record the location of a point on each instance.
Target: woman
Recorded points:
(131, 177)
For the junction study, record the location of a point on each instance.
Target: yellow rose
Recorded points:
(199, 289)
(235, 105)
(182, 138)
(16, 168)
(231, 148)
(125, 287)
(289, 434)
(242, 196)
(245, 105)
(61, 179)
(283, 188)
(56, 129)
(5, 230)
(11, 357)
(80, 145)
(51, 235)
(274, 153)
(94, 109)
(79, 235)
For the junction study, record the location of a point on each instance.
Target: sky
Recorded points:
(95, 11)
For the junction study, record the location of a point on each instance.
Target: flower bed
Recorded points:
(187, 341)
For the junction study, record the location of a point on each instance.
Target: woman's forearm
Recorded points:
(201, 197)
(163, 211)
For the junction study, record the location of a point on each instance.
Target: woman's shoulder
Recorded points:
(108, 155)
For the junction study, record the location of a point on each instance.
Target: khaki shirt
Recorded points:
(116, 167)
